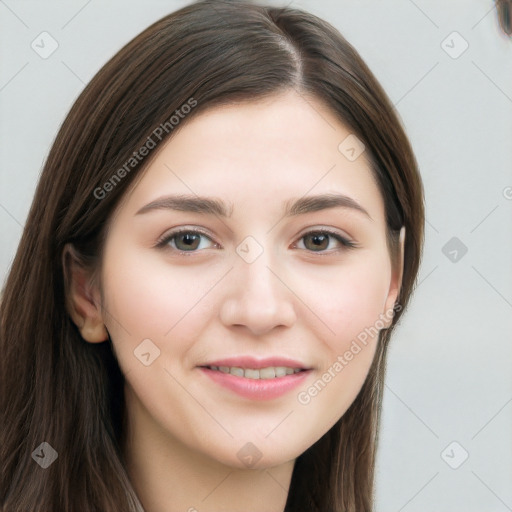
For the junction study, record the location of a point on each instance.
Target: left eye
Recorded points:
(319, 241)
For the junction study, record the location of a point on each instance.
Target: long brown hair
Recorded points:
(59, 389)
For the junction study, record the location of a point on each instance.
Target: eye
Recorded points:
(193, 240)
(185, 240)
(323, 240)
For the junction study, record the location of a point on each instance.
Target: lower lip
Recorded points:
(257, 389)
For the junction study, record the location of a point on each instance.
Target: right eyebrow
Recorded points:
(188, 203)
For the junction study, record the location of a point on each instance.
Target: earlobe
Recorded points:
(94, 332)
(82, 298)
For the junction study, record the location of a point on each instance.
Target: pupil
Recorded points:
(319, 240)
(189, 240)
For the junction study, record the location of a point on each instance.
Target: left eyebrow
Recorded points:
(316, 203)
(213, 206)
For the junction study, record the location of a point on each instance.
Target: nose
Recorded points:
(257, 298)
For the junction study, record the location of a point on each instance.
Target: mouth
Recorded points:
(254, 379)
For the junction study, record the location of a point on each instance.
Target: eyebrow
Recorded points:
(213, 206)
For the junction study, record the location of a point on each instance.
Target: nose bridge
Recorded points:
(255, 258)
(257, 279)
(257, 298)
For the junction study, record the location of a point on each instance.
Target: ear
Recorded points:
(83, 299)
(396, 280)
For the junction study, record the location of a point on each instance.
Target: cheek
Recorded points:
(145, 299)
(351, 307)
(348, 301)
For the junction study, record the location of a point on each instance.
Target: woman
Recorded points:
(227, 229)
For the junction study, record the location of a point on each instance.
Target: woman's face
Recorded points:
(219, 257)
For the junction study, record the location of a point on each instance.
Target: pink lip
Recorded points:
(256, 364)
(256, 389)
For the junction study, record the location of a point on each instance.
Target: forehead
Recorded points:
(271, 150)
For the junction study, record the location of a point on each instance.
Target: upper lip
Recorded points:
(251, 362)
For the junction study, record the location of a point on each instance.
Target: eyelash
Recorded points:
(163, 242)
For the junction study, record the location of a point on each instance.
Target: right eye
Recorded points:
(185, 240)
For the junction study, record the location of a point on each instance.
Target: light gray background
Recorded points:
(449, 373)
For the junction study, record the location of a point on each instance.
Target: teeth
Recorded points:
(281, 371)
(263, 373)
(251, 374)
(239, 372)
(267, 373)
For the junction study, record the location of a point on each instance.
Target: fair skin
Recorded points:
(302, 298)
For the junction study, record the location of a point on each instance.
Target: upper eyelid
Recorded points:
(168, 235)
(327, 229)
